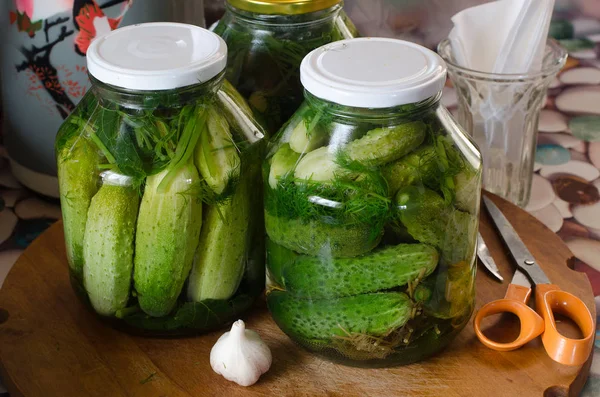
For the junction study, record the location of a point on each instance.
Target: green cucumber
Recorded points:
(216, 155)
(418, 166)
(386, 268)
(222, 253)
(468, 193)
(278, 258)
(78, 161)
(303, 140)
(319, 238)
(375, 314)
(282, 163)
(424, 213)
(461, 237)
(318, 166)
(108, 244)
(460, 287)
(383, 145)
(430, 220)
(168, 231)
(451, 294)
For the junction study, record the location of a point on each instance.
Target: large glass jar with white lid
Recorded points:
(267, 40)
(371, 207)
(159, 173)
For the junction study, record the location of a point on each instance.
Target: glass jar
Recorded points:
(267, 41)
(158, 170)
(371, 208)
(43, 70)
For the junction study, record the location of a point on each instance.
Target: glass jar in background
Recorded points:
(160, 184)
(371, 208)
(267, 41)
(42, 63)
(501, 112)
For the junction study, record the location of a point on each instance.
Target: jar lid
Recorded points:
(283, 7)
(157, 56)
(373, 72)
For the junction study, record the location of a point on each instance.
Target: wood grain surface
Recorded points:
(51, 345)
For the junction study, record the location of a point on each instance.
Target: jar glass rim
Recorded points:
(283, 7)
(408, 110)
(554, 59)
(288, 20)
(147, 99)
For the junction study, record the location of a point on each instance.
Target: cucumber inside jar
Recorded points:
(371, 225)
(160, 210)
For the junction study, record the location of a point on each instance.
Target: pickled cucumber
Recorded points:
(318, 166)
(167, 234)
(467, 185)
(318, 238)
(383, 269)
(282, 163)
(222, 252)
(108, 244)
(78, 161)
(418, 166)
(430, 220)
(423, 212)
(461, 236)
(376, 314)
(306, 137)
(278, 258)
(216, 156)
(382, 145)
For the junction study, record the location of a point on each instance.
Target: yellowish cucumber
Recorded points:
(282, 163)
(216, 155)
(318, 166)
(222, 253)
(168, 231)
(303, 140)
(108, 244)
(78, 179)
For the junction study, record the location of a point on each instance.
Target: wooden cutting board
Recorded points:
(50, 345)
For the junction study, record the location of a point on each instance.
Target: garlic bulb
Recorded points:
(240, 355)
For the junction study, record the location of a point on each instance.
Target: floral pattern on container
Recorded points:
(38, 17)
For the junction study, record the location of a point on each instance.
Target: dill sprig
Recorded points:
(357, 195)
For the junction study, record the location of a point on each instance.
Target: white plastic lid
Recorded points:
(157, 56)
(373, 72)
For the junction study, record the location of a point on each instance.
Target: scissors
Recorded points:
(549, 299)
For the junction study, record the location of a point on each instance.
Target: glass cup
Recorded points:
(501, 113)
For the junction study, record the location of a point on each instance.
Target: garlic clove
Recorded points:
(240, 355)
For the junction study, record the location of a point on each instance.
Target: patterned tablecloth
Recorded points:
(566, 184)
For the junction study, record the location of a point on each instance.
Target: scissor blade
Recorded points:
(520, 278)
(486, 258)
(524, 259)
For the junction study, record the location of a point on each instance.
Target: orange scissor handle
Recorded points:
(549, 298)
(515, 301)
